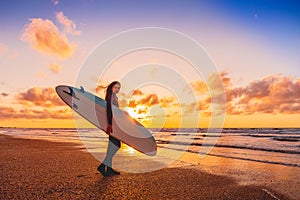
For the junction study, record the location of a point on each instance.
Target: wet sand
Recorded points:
(37, 169)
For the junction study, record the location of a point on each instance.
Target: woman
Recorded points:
(105, 168)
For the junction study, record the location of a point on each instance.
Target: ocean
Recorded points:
(279, 146)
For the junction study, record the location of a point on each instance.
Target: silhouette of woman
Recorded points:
(105, 168)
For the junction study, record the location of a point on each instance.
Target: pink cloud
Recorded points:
(273, 94)
(55, 2)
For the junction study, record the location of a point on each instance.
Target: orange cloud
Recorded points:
(142, 111)
(167, 101)
(100, 88)
(199, 86)
(6, 112)
(217, 81)
(151, 100)
(37, 103)
(10, 113)
(132, 104)
(55, 68)
(215, 102)
(137, 93)
(189, 108)
(44, 37)
(44, 97)
(274, 94)
(70, 26)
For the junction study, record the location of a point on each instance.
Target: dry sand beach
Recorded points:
(38, 169)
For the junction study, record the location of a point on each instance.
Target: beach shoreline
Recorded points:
(59, 170)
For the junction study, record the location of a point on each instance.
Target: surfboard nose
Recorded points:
(60, 88)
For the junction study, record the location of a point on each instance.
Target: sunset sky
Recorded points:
(255, 46)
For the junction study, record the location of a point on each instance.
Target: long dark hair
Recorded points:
(109, 88)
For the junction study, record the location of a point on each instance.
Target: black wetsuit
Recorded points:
(112, 99)
(105, 168)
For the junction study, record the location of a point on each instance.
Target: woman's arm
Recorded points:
(108, 109)
(109, 114)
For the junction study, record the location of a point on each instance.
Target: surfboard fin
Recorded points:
(75, 106)
(81, 89)
(71, 93)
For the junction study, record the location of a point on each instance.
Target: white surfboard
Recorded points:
(93, 109)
